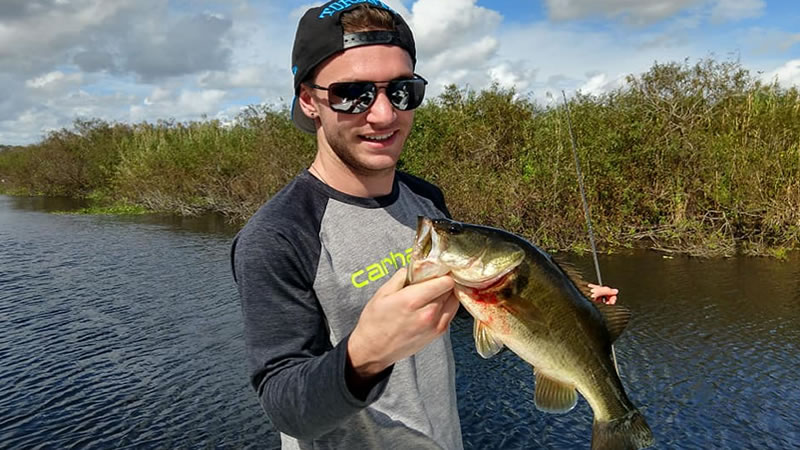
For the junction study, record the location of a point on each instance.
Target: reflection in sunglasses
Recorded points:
(355, 97)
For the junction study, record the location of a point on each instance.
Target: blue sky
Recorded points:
(145, 60)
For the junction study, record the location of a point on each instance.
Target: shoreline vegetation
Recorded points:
(700, 159)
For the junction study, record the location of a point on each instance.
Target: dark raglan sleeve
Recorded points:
(438, 200)
(298, 375)
(427, 190)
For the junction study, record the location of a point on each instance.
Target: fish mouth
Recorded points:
(424, 261)
(424, 241)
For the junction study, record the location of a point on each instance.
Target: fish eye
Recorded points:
(455, 228)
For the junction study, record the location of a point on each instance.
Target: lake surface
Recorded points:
(120, 332)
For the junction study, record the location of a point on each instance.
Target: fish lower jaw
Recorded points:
(478, 285)
(461, 279)
(422, 270)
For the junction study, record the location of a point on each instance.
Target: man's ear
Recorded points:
(307, 103)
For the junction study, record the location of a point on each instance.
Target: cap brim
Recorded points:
(301, 120)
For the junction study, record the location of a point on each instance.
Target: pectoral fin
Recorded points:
(485, 343)
(553, 396)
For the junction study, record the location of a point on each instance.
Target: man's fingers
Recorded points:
(449, 310)
(428, 291)
(393, 284)
(598, 290)
(603, 294)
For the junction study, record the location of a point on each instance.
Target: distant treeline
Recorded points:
(699, 158)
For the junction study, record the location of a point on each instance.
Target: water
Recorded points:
(126, 332)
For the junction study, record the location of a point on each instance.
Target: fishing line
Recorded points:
(583, 192)
(586, 213)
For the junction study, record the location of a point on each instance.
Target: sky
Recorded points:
(145, 60)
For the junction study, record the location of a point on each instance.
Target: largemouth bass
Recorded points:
(522, 299)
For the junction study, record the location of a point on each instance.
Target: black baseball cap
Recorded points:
(320, 36)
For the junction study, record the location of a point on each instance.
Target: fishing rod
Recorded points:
(583, 192)
(586, 213)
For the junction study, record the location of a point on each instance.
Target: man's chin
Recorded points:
(379, 158)
(376, 168)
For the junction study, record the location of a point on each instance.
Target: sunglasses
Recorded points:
(355, 97)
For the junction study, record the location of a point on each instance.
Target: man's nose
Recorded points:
(382, 111)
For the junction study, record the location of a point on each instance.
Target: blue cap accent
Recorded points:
(331, 8)
(294, 70)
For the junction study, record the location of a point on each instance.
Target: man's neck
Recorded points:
(349, 181)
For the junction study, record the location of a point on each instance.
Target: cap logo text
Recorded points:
(334, 7)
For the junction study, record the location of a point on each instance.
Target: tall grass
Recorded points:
(204, 166)
(700, 158)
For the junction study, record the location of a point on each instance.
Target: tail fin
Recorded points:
(628, 432)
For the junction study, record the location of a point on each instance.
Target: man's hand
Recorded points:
(604, 294)
(398, 322)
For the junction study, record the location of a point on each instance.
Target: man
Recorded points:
(341, 354)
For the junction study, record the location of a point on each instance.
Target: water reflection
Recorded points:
(43, 204)
(126, 331)
(205, 223)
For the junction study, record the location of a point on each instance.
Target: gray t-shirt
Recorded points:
(305, 265)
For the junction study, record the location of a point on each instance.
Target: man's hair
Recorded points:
(359, 19)
(367, 18)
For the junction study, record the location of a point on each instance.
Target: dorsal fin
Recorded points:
(575, 276)
(616, 318)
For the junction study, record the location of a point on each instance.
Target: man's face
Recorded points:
(371, 141)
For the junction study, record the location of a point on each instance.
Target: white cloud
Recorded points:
(733, 10)
(130, 36)
(769, 40)
(577, 58)
(789, 41)
(27, 125)
(54, 81)
(787, 75)
(244, 77)
(456, 41)
(601, 83)
(37, 36)
(159, 94)
(643, 12)
(510, 75)
(445, 25)
(180, 105)
(206, 101)
(400, 6)
(60, 60)
(472, 55)
(634, 11)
